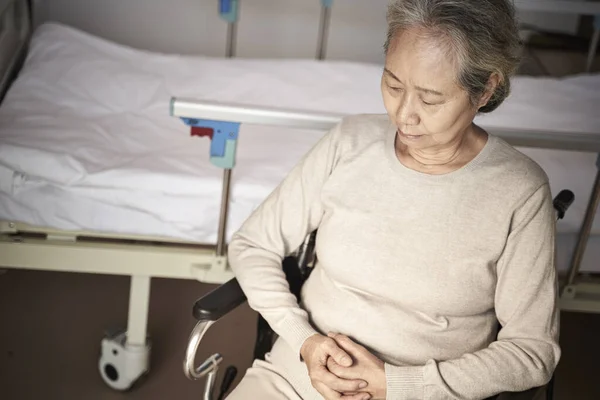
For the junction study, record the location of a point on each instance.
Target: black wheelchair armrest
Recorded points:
(225, 298)
(220, 301)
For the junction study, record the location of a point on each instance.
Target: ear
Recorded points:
(490, 88)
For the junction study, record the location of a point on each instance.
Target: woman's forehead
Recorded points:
(420, 58)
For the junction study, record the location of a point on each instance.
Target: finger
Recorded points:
(350, 346)
(338, 384)
(327, 392)
(360, 394)
(357, 372)
(346, 343)
(355, 396)
(338, 354)
(337, 369)
(330, 394)
(334, 367)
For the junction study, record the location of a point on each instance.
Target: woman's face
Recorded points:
(421, 95)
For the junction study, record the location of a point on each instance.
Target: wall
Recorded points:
(267, 28)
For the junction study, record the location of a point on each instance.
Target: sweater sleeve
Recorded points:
(526, 351)
(274, 230)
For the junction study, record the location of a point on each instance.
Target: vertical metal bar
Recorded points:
(303, 252)
(230, 53)
(210, 384)
(306, 254)
(586, 228)
(593, 47)
(224, 212)
(137, 319)
(231, 39)
(323, 32)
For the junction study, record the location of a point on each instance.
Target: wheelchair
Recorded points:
(297, 267)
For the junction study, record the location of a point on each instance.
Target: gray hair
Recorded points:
(482, 35)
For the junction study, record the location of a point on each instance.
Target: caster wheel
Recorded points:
(121, 365)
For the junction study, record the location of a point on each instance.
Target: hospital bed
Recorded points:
(111, 159)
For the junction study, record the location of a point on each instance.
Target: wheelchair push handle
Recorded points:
(562, 202)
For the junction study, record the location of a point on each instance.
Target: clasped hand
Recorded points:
(341, 369)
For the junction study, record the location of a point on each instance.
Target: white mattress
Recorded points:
(87, 143)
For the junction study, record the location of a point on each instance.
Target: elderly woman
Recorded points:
(430, 232)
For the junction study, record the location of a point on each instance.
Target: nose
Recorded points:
(406, 114)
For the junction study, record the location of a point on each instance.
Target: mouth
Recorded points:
(409, 136)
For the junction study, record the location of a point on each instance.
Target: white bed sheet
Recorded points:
(86, 141)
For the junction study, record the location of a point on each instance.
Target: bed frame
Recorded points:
(125, 354)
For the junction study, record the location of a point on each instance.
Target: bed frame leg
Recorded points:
(139, 302)
(126, 355)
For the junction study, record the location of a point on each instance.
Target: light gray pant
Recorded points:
(263, 381)
(282, 376)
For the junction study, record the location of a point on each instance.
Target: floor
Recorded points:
(51, 325)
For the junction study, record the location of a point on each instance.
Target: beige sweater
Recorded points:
(417, 268)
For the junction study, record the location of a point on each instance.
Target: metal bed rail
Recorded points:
(301, 119)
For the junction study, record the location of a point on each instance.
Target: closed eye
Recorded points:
(431, 104)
